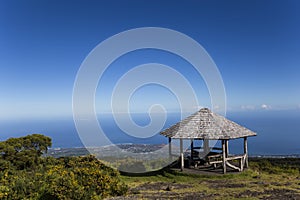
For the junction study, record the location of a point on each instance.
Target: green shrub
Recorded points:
(24, 174)
(68, 178)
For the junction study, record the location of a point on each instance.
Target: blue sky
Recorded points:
(255, 44)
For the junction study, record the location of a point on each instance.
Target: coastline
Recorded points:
(136, 148)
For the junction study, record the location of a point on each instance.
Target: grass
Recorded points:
(262, 180)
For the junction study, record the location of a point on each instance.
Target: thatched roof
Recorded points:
(205, 124)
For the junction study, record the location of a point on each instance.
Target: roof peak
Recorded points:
(206, 124)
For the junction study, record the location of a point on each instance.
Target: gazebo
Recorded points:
(206, 125)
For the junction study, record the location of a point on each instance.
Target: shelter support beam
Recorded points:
(170, 149)
(206, 146)
(224, 156)
(226, 148)
(246, 152)
(192, 148)
(181, 155)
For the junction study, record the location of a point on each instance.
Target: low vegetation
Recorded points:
(24, 174)
(263, 180)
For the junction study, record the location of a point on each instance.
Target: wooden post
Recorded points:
(192, 149)
(226, 148)
(246, 152)
(191, 160)
(181, 155)
(170, 149)
(241, 164)
(206, 146)
(224, 156)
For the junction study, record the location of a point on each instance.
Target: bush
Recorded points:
(24, 174)
(69, 178)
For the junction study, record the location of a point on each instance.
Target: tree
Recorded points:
(24, 152)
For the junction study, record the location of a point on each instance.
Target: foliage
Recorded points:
(276, 165)
(23, 152)
(53, 178)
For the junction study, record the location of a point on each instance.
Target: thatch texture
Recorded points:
(205, 124)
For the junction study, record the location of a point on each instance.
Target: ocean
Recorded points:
(278, 132)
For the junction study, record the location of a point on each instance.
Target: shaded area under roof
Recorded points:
(205, 124)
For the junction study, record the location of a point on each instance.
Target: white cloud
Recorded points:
(256, 107)
(265, 107)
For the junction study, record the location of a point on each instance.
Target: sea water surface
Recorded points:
(278, 132)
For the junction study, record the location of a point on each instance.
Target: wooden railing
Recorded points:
(218, 159)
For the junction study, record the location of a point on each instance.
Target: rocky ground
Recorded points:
(161, 190)
(265, 179)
